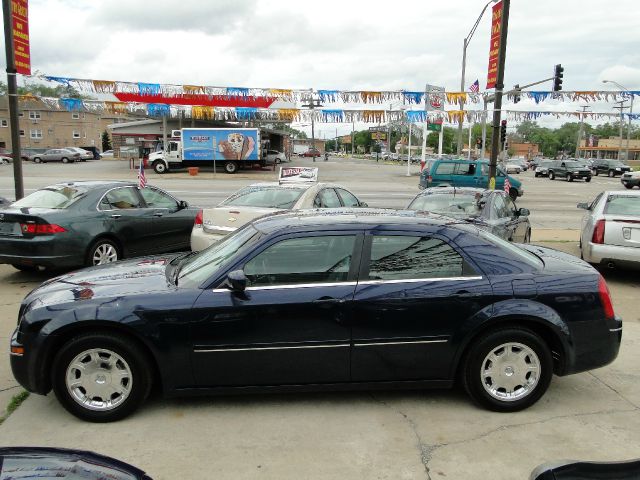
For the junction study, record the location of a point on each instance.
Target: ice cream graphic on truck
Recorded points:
(228, 147)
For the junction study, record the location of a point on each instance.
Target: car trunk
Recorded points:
(622, 230)
(224, 220)
(21, 222)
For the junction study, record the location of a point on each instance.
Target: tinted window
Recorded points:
(347, 198)
(621, 205)
(409, 257)
(465, 169)
(571, 164)
(51, 197)
(499, 207)
(302, 260)
(157, 199)
(265, 196)
(121, 198)
(445, 169)
(447, 204)
(327, 198)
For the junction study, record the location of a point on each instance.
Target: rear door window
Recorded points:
(445, 168)
(327, 198)
(120, 199)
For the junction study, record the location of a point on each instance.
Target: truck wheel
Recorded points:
(230, 167)
(160, 167)
(552, 176)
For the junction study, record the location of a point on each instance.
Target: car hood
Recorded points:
(137, 276)
(224, 220)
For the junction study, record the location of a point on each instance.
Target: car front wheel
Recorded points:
(552, 176)
(587, 179)
(507, 370)
(569, 177)
(65, 160)
(101, 377)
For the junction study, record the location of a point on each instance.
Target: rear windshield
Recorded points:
(623, 205)
(58, 196)
(448, 204)
(267, 197)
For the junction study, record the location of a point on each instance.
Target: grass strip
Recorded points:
(15, 402)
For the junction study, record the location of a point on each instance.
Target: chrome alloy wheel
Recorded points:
(99, 379)
(510, 372)
(105, 253)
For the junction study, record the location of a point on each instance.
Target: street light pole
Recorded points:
(626, 155)
(584, 109)
(465, 44)
(621, 107)
(312, 105)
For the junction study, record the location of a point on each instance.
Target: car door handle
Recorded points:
(328, 301)
(115, 215)
(467, 294)
(158, 214)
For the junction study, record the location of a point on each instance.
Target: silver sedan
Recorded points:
(611, 230)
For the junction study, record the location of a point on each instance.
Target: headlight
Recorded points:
(617, 168)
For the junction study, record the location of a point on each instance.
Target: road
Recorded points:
(552, 203)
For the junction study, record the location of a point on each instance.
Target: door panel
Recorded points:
(121, 215)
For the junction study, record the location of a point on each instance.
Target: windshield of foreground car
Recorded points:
(197, 268)
(58, 196)
(449, 204)
(265, 196)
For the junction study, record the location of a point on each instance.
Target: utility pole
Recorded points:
(495, 137)
(312, 105)
(12, 90)
(353, 140)
(389, 131)
(620, 107)
(584, 109)
(409, 154)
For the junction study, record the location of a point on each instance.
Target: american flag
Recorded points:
(475, 87)
(507, 185)
(142, 180)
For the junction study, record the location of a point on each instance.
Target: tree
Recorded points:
(106, 141)
(39, 90)
(448, 140)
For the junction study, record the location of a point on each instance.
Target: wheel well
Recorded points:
(106, 236)
(545, 332)
(109, 328)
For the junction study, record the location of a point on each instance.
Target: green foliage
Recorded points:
(15, 402)
(448, 140)
(106, 141)
(60, 91)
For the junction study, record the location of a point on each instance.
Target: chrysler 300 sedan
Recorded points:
(346, 299)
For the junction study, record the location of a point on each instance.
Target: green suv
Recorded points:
(569, 170)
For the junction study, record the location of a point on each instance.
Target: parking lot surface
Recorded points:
(407, 435)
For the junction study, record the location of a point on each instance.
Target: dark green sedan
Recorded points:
(88, 223)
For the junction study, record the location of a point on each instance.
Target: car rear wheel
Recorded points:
(552, 176)
(37, 160)
(612, 173)
(596, 172)
(587, 179)
(569, 177)
(507, 370)
(103, 251)
(25, 268)
(101, 377)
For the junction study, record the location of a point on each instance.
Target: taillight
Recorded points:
(605, 298)
(41, 229)
(598, 232)
(198, 220)
(429, 179)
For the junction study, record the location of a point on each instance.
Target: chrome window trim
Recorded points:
(247, 349)
(374, 344)
(619, 329)
(219, 227)
(416, 280)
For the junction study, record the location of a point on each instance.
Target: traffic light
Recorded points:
(503, 132)
(557, 78)
(516, 94)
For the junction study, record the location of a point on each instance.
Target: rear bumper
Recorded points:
(603, 254)
(596, 350)
(48, 251)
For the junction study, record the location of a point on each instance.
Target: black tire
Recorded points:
(569, 177)
(628, 186)
(135, 363)
(25, 268)
(65, 160)
(160, 167)
(552, 176)
(587, 179)
(611, 173)
(277, 161)
(231, 167)
(103, 246)
(513, 193)
(536, 174)
(37, 160)
(476, 359)
(596, 172)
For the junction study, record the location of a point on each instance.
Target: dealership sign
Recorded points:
(20, 24)
(494, 47)
(297, 174)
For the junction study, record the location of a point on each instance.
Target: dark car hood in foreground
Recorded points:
(140, 275)
(41, 462)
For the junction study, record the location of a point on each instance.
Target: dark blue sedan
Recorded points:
(331, 299)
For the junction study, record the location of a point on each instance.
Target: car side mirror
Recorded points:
(524, 212)
(364, 204)
(236, 281)
(182, 204)
(584, 206)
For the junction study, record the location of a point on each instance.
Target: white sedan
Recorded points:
(512, 168)
(259, 199)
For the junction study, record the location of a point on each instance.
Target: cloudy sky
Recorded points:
(330, 44)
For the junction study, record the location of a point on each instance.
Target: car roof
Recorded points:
(457, 190)
(88, 184)
(353, 217)
(296, 185)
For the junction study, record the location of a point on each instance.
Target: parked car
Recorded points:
(569, 170)
(107, 154)
(610, 167)
(57, 155)
(63, 463)
(253, 201)
(5, 159)
(319, 300)
(581, 470)
(521, 162)
(311, 153)
(465, 173)
(610, 233)
(274, 157)
(533, 164)
(28, 153)
(542, 170)
(491, 210)
(95, 152)
(91, 223)
(631, 179)
(512, 167)
(84, 154)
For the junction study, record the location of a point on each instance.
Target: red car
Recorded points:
(311, 153)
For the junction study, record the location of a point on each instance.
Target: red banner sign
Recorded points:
(20, 21)
(494, 47)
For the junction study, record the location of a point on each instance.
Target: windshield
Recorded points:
(58, 196)
(265, 196)
(572, 164)
(198, 268)
(623, 205)
(449, 204)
